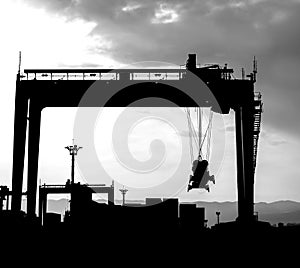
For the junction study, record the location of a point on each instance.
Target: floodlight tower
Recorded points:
(73, 149)
(123, 192)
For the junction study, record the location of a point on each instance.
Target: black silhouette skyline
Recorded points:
(248, 157)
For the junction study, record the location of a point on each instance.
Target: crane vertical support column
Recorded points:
(248, 145)
(44, 207)
(40, 205)
(20, 126)
(244, 117)
(240, 163)
(33, 155)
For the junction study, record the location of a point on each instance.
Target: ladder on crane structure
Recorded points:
(257, 123)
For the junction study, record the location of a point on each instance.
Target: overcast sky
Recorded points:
(112, 33)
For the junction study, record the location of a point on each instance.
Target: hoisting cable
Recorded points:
(193, 133)
(192, 129)
(190, 138)
(206, 132)
(209, 137)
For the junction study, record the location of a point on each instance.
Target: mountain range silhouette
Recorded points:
(287, 212)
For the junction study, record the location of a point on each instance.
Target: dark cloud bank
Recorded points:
(217, 30)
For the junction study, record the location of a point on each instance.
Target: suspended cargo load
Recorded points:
(201, 177)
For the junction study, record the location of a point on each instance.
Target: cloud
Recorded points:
(272, 138)
(143, 111)
(165, 14)
(269, 137)
(211, 27)
(186, 133)
(230, 128)
(277, 142)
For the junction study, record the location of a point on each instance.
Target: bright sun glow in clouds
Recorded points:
(51, 40)
(165, 14)
(131, 7)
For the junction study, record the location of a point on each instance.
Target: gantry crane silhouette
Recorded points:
(40, 88)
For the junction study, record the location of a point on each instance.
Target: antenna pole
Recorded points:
(20, 61)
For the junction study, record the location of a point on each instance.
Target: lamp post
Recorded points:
(123, 191)
(218, 217)
(73, 149)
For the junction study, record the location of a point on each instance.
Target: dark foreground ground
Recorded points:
(99, 240)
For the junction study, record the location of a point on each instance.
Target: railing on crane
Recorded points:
(118, 74)
(103, 74)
